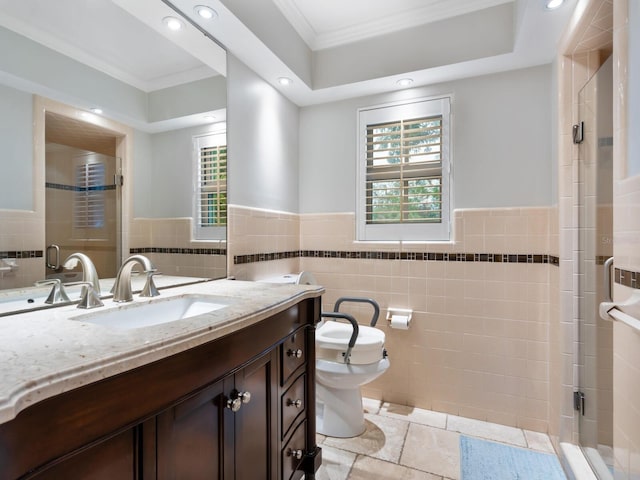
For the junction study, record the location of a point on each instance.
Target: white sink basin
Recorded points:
(154, 312)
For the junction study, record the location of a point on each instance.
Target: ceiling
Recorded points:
(320, 26)
(318, 45)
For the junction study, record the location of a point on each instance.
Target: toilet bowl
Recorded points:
(339, 410)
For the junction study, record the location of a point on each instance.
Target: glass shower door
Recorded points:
(82, 210)
(595, 396)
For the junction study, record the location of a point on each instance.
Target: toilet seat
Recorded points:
(332, 374)
(332, 339)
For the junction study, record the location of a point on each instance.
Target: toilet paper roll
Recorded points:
(401, 322)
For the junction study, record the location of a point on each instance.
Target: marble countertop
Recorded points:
(20, 300)
(47, 352)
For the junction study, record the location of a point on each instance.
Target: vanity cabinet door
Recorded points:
(226, 431)
(110, 459)
(190, 437)
(256, 440)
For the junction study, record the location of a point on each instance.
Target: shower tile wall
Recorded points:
(478, 343)
(626, 379)
(22, 232)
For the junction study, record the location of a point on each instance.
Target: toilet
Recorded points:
(339, 410)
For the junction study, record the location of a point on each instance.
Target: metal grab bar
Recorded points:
(608, 290)
(354, 335)
(376, 307)
(56, 249)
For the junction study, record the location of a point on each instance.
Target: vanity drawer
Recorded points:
(293, 453)
(292, 355)
(293, 403)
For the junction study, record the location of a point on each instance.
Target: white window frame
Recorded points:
(416, 108)
(216, 138)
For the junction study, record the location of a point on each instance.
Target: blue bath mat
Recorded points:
(484, 460)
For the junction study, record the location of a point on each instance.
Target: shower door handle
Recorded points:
(55, 248)
(608, 290)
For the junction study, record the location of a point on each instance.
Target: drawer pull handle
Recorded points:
(294, 353)
(297, 454)
(294, 403)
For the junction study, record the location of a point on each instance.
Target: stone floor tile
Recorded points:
(367, 468)
(489, 431)
(382, 439)
(336, 464)
(539, 441)
(371, 406)
(432, 450)
(414, 415)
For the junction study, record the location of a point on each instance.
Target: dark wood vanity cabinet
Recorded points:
(203, 437)
(235, 408)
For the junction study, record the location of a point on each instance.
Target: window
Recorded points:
(89, 196)
(403, 171)
(211, 186)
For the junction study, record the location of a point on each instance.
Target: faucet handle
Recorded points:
(57, 293)
(149, 289)
(90, 298)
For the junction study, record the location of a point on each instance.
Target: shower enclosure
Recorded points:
(594, 398)
(82, 210)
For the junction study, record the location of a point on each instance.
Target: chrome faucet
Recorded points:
(57, 293)
(89, 299)
(122, 287)
(89, 273)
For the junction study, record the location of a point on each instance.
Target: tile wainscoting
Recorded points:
(478, 345)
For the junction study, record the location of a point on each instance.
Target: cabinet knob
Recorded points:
(234, 404)
(294, 403)
(294, 353)
(297, 454)
(238, 398)
(245, 397)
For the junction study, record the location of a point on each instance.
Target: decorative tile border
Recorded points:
(418, 256)
(600, 259)
(627, 278)
(180, 251)
(22, 254)
(74, 188)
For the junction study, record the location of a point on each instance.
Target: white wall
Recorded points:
(501, 134)
(262, 139)
(16, 162)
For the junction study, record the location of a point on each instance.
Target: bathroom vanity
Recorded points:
(225, 395)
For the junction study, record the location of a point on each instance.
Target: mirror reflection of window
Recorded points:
(211, 186)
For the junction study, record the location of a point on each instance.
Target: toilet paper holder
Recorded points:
(399, 312)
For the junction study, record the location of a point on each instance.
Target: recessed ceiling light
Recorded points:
(404, 82)
(553, 4)
(205, 12)
(172, 23)
(96, 110)
(285, 81)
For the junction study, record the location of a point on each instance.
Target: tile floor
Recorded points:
(408, 443)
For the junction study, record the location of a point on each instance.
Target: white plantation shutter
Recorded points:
(404, 171)
(403, 168)
(211, 186)
(89, 196)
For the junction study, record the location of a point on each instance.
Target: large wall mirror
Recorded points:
(113, 132)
